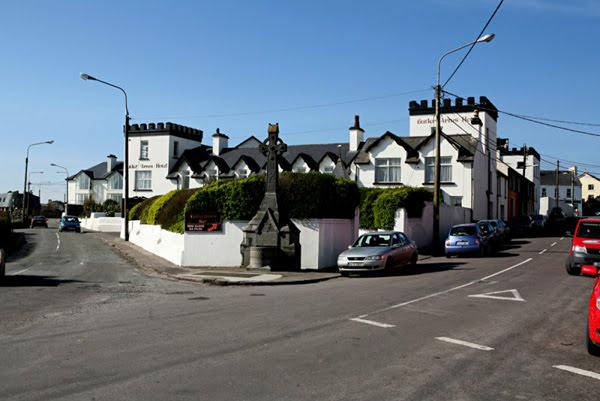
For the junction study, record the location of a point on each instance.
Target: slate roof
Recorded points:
(312, 154)
(548, 177)
(99, 171)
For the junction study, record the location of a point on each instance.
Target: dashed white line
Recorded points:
(373, 323)
(542, 251)
(441, 292)
(578, 371)
(465, 343)
(552, 244)
(58, 245)
(19, 272)
(562, 238)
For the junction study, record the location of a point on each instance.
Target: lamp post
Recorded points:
(67, 186)
(25, 203)
(438, 128)
(87, 77)
(29, 186)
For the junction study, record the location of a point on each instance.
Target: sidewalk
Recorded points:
(157, 266)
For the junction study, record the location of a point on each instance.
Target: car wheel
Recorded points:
(60, 230)
(389, 264)
(571, 270)
(2, 263)
(592, 348)
(413, 260)
(77, 230)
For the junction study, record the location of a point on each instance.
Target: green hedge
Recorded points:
(171, 216)
(140, 211)
(390, 200)
(156, 206)
(368, 196)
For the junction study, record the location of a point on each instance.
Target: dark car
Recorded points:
(521, 226)
(539, 222)
(69, 223)
(585, 247)
(39, 221)
(491, 232)
(556, 223)
(383, 250)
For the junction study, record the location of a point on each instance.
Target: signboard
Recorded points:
(203, 222)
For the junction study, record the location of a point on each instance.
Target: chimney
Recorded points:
(220, 142)
(356, 135)
(111, 160)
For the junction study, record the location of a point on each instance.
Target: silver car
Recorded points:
(383, 250)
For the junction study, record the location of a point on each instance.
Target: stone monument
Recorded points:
(271, 239)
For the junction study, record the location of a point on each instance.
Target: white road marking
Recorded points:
(578, 371)
(372, 323)
(552, 244)
(445, 291)
(542, 251)
(562, 238)
(58, 245)
(494, 295)
(465, 343)
(19, 272)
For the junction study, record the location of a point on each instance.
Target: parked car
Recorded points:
(585, 247)
(384, 250)
(593, 321)
(491, 230)
(467, 239)
(69, 223)
(538, 223)
(2, 263)
(39, 221)
(556, 223)
(521, 225)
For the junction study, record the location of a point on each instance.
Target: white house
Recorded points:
(526, 161)
(100, 182)
(567, 185)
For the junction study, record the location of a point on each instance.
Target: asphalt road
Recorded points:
(77, 322)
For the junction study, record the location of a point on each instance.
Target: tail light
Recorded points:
(448, 242)
(477, 241)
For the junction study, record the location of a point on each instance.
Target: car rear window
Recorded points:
(373, 240)
(463, 231)
(589, 230)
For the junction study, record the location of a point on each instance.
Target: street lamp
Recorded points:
(25, 203)
(438, 128)
(29, 182)
(87, 77)
(67, 186)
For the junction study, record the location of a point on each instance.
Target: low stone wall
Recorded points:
(321, 240)
(99, 222)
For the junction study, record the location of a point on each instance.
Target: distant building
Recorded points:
(525, 161)
(590, 186)
(566, 191)
(11, 201)
(100, 182)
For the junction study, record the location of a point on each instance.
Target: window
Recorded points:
(445, 169)
(590, 187)
(456, 201)
(544, 192)
(242, 173)
(328, 170)
(299, 169)
(176, 149)
(116, 197)
(83, 182)
(387, 170)
(185, 180)
(81, 198)
(569, 193)
(213, 174)
(115, 182)
(144, 150)
(143, 180)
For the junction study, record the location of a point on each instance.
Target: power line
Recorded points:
(314, 106)
(474, 43)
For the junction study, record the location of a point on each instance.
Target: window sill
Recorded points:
(143, 159)
(447, 183)
(142, 190)
(387, 183)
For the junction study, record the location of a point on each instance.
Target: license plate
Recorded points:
(462, 242)
(354, 263)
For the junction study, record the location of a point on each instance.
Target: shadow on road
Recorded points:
(33, 281)
(430, 268)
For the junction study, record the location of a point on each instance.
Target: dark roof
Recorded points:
(99, 171)
(565, 178)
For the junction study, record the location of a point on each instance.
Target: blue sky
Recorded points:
(309, 65)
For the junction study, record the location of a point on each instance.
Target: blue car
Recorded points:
(69, 223)
(467, 239)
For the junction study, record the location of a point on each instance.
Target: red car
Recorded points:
(585, 248)
(593, 329)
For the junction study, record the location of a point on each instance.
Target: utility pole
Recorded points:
(556, 191)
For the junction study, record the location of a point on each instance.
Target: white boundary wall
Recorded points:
(99, 222)
(322, 240)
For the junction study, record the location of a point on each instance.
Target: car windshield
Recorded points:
(463, 231)
(589, 230)
(373, 240)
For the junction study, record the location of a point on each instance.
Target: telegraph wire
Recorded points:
(474, 43)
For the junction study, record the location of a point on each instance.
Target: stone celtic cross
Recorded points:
(272, 147)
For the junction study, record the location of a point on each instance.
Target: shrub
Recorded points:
(171, 215)
(390, 200)
(241, 198)
(157, 205)
(368, 196)
(110, 207)
(90, 206)
(140, 211)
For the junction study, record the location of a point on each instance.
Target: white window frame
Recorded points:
(242, 173)
(445, 169)
(328, 169)
(117, 197)
(143, 180)
(185, 180)
(115, 182)
(456, 201)
(388, 170)
(144, 150)
(175, 148)
(83, 182)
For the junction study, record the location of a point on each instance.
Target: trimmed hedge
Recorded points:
(140, 211)
(156, 206)
(171, 216)
(390, 200)
(368, 196)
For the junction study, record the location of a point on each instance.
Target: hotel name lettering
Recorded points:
(431, 121)
(148, 166)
